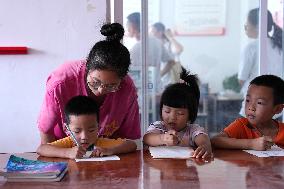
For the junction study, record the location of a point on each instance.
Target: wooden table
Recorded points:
(229, 169)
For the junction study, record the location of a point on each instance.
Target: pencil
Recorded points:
(72, 135)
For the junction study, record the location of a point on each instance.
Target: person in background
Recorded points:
(103, 77)
(248, 68)
(178, 110)
(159, 31)
(157, 52)
(258, 131)
(82, 113)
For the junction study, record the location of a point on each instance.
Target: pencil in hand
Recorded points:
(72, 135)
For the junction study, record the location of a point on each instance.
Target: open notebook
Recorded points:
(104, 158)
(177, 152)
(274, 151)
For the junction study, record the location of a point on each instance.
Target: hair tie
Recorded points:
(271, 33)
(182, 81)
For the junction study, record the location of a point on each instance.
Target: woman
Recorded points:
(159, 30)
(248, 68)
(103, 76)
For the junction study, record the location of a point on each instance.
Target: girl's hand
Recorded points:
(262, 143)
(99, 152)
(170, 138)
(203, 151)
(76, 152)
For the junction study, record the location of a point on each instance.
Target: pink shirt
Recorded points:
(119, 114)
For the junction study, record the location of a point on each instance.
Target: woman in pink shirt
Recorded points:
(103, 76)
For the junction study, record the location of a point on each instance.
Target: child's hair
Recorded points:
(81, 105)
(110, 54)
(273, 82)
(253, 18)
(183, 95)
(134, 19)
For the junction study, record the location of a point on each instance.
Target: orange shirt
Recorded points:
(241, 129)
(67, 142)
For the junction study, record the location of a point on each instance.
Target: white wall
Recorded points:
(54, 31)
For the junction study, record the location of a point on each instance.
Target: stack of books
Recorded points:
(24, 170)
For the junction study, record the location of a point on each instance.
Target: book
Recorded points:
(20, 169)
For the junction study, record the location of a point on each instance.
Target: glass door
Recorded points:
(216, 40)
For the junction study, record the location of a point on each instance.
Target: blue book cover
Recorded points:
(21, 167)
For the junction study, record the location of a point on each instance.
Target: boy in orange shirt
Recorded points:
(258, 131)
(81, 115)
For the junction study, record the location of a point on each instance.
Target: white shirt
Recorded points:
(173, 75)
(249, 68)
(157, 54)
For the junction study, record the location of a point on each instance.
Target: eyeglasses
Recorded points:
(95, 85)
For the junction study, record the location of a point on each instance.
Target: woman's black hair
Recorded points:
(253, 18)
(110, 54)
(81, 105)
(183, 95)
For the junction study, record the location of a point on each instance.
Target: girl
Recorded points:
(178, 110)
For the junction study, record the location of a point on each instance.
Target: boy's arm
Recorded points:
(125, 147)
(222, 140)
(203, 144)
(50, 150)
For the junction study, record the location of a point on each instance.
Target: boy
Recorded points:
(81, 113)
(258, 131)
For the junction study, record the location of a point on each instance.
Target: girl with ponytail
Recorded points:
(178, 111)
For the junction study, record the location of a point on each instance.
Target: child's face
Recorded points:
(174, 118)
(259, 106)
(85, 129)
